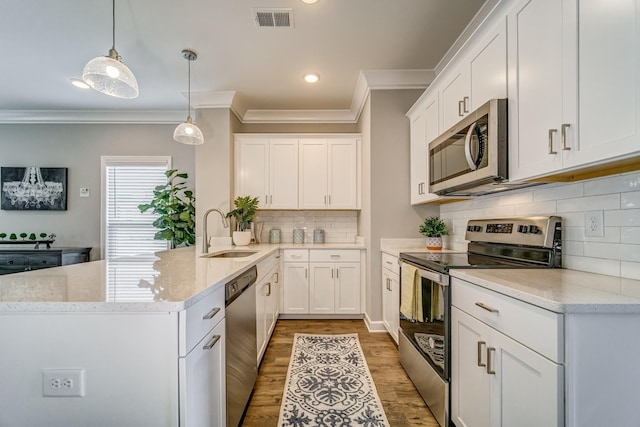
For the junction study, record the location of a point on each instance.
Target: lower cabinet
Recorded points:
(202, 382)
(497, 381)
(267, 307)
(391, 295)
(321, 282)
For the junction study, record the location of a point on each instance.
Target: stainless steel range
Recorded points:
(425, 310)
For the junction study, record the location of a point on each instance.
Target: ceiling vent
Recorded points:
(273, 18)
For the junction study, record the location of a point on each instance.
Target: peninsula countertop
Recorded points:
(171, 280)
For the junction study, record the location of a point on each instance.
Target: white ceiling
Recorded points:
(44, 43)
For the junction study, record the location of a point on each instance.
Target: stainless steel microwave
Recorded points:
(471, 157)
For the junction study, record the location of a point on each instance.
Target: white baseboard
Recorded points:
(374, 326)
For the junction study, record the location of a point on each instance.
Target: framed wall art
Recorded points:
(33, 188)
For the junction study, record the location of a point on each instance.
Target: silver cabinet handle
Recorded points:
(335, 255)
(277, 277)
(270, 199)
(465, 100)
(266, 200)
(563, 136)
(305, 273)
(329, 199)
(325, 200)
(211, 314)
(211, 343)
(269, 289)
(480, 345)
(337, 272)
(460, 108)
(388, 262)
(332, 273)
(486, 307)
(490, 370)
(551, 132)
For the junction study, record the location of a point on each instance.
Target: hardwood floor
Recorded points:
(402, 404)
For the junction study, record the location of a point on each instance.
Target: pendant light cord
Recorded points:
(113, 20)
(189, 86)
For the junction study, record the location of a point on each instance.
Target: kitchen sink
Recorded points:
(229, 254)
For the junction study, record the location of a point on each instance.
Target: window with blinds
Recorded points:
(129, 182)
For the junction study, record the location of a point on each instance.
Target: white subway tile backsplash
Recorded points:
(630, 270)
(621, 183)
(622, 218)
(558, 192)
(339, 226)
(577, 234)
(630, 235)
(630, 200)
(609, 267)
(541, 208)
(573, 248)
(581, 204)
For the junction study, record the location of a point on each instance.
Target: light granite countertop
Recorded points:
(560, 290)
(169, 281)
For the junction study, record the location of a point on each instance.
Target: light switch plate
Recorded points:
(84, 192)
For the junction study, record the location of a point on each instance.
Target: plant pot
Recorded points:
(434, 243)
(241, 238)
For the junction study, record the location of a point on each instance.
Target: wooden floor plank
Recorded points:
(402, 403)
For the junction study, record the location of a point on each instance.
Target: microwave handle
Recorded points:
(467, 147)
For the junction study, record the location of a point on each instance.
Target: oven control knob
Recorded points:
(533, 229)
(523, 229)
(469, 227)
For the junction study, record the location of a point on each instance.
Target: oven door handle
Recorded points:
(430, 275)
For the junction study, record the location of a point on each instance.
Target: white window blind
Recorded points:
(129, 182)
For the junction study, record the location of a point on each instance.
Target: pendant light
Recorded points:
(187, 132)
(107, 74)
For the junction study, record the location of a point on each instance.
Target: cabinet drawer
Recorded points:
(537, 328)
(390, 262)
(197, 320)
(330, 255)
(296, 255)
(36, 261)
(13, 260)
(266, 265)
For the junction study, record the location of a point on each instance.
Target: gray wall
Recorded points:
(387, 211)
(78, 147)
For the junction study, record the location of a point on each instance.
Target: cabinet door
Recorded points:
(283, 174)
(488, 66)
(252, 169)
(296, 288)
(470, 383)
(313, 177)
(419, 158)
(347, 288)
(609, 81)
(390, 303)
(203, 382)
(342, 173)
(527, 389)
(272, 306)
(536, 64)
(262, 291)
(321, 288)
(454, 96)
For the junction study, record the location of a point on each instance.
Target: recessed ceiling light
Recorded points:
(311, 77)
(309, 1)
(79, 83)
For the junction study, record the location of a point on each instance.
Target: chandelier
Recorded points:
(32, 191)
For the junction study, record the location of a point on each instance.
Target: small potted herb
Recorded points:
(244, 212)
(434, 228)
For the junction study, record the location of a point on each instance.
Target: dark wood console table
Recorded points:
(16, 260)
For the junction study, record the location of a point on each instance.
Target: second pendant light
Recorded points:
(187, 132)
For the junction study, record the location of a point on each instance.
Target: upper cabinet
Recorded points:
(479, 75)
(424, 129)
(298, 171)
(574, 87)
(268, 169)
(328, 173)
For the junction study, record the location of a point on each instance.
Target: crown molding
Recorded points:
(91, 116)
(367, 81)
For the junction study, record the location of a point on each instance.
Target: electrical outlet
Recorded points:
(594, 224)
(63, 382)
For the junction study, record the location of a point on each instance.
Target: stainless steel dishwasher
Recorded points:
(241, 346)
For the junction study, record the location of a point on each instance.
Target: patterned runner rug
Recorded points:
(329, 384)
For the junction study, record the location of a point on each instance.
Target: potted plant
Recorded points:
(433, 228)
(244, 212)
(175, 205)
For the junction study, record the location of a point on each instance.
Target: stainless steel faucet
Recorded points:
(205, 239)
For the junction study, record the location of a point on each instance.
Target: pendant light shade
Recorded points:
(187, 132)
(108, 74)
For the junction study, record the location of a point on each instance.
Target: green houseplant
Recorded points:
(434, 228)
(175, 205)
(244, 212)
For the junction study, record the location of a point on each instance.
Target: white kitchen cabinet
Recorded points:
(479, 75)
(505, 361)
(391, 295)
(295, 289)
(328, 176)
(267, 168)
(267, 301)
(574, 99)
(419, 159)
(203, 385)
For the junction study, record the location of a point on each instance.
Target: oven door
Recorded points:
(425, 315)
